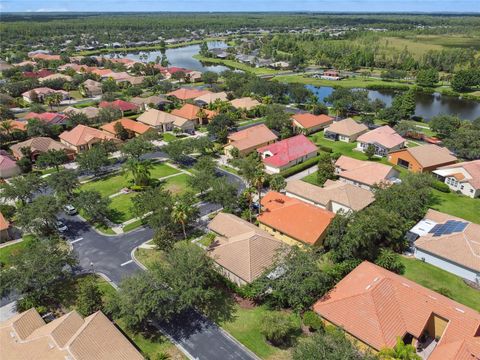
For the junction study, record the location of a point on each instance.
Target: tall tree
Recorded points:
(64, 183)
(185, 211)
(93, 206)
(93, 160)
(39, 216)
(326, 168)
(136, 147)
(89, 296)
(22, 187)
(53, 158)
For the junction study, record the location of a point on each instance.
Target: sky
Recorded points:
(464, 6)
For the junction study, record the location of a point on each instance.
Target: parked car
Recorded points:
(61, 226)
(69, 210)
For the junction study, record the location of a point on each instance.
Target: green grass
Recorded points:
(149, 256)
(237, 65)
(246, 328)
(161, 170)
(457, 205)
(8, 252)
(122, 208)
(311, 179)
(252, 121)
(105, 230)
(132, 226)
(75, 94)
(177, 185)
(435, 278)
(169, 137)
(354, 82)
(207, 239)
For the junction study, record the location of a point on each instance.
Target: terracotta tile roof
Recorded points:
(119, 104)
(472, 169)
(187, 111)
(154, 117)
(342, 193)
(89, 111)
(347, 127)
(81, 135)
(365, 172)
(287, 150)
(19, 125)
(460, 247)
(384, 135)
(92, 85)
(244, 103)
(187, 93)
(129, 124)
(252, 137)
(102, 72)
(295, 218)
(38, 144)
(309, 120)
(429, 155)
(376, 305)
(26, 336)
(43, 91)
(242, 248)
(211, 97)
(46, 117)
(55, 76)
(37, 74)
(4, 223)
(46, 57)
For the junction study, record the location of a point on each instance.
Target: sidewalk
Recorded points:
(303, 173)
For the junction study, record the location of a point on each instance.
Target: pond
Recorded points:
(180, 57)
(428, 105)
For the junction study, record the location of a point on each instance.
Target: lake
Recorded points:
(428, 105)
(180, 57)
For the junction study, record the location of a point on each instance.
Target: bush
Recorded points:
(440, 186)
(312, 320)
(7, 211)
(137, 188)
(325, 148)
(391, 261)
(300, 167)
(278, 328)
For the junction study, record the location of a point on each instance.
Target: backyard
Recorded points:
(7, 252)
(457, 205)
(441, 281)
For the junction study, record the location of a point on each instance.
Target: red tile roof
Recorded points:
(185, 93)
(285, 151)
(309, 120)
(38, 74)
(46, 117)
(376, 306)
(119, 104)
(129, 124)
(81, 135)
(4, 224)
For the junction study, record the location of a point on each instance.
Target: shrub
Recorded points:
(440, 186)
(312, 320)
(300, 167)
(278, 328)
(391, 261)
(7, 211)
(325, 148)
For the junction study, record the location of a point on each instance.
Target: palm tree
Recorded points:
(248, 193)
(400, 351)
(140, 171)
(184, 211)
(6, 126)
(258, 181)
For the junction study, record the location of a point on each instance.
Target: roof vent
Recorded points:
(460, 310)
(376, 279)
(405, 284)
(368, 286)
(432, 297)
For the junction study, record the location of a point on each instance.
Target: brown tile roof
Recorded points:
(333, 191)
(460, 247)
(295, 218)
(4, 223)
(384, 135)
(186, 93)
(128, 124)
(81, 135)
(38, 144)
(244, 103)
(309, 120)
(347, 127)
(247, 252)
(365, 172)
(150, 100)
(187, 111)
(252, 137)
(376, 306)
(429, 155)
(89, 111)
(154, 117)
(211, 97)
(26, 336)
(472, 168)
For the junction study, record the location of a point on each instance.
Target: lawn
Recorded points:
(353, 82)
(148, 256)
(435, 278)
(7, 252)
(132, 226)
(177, 185)
(457, 205)
(207, 239)
(161, 170)
(311, 179)
(169, 137)
(121, 206)
(245, 327)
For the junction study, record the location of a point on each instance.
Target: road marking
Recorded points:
(126, 262)
(76, 240)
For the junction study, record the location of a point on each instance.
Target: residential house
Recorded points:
(364, 174)
(384, 139)
(195, 114)
(82, 138)
(79, 69)
(187, 93)
(90, 112)
(134, 128)
(246, 103)
(91, 88)
(37, 74)
(160, 120)
(121, 105)
(449, 243)
(334, 196)
(242, 250)
(4, 227)
(250, 139)
(124, 77)
(286, 153)
(8, 166)
(39, 94)
(38, 146)
(103, 73)
(70, 337)
(346, 130)
(330, 75)
(16, 125)
(375, 306)
(155, 101)
(45, 57)
(422, 158)
(25, 63)
(210, 98)
(194, 76)
(185, 125)
(48, 118)
(463, 177)
(55, 77)
(308, 123)
(293, 221)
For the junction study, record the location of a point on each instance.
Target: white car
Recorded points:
(61, 226)
(69, 210)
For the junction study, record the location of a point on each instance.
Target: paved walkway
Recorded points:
(302, 174)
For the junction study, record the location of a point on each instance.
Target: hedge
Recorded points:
(300, 167)
(440, 186)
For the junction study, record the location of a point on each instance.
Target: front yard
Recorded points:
(7, 252)
(441, 281)
(457, 205)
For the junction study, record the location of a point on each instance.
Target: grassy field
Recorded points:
(148, 256)
(132, 226)
(237, 65)
(121, 206)
(434, 278)
(177, 184)
(354, 82)
(457, 205)
(7, 252)
(169, 137)
(246, 328)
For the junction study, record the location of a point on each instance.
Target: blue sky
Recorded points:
(467, 6)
